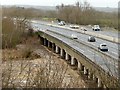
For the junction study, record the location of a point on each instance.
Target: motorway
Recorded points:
(113, 47)
(107, 63)
(105, 31)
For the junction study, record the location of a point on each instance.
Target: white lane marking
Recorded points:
(114, 53)
(92, 43)
(81, 50)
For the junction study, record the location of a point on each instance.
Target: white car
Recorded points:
(103, 47)
(96, 28)
(74, 36)
(74, 26)
(61, 23)
(83, 29)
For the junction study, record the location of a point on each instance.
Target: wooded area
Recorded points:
(78, 13)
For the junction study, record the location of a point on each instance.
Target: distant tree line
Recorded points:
(79, 13)
(29, 13)
(85, 14)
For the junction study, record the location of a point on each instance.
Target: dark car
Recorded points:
(91, 39)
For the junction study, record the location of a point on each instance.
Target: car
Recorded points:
(91, 39)
(96, 28)
(103, 47)
(74, 26)
(61, 23)
(74, 36)
(83, 29)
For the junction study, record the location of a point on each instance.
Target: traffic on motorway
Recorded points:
(103, 52)
(112, 47)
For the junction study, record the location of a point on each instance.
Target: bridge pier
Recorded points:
(99, 83)
(79, 66)
(85, 71)
(48, 44)
(89, 75)
(41, 40)
(67, 56)
(56, 49)
(45, 42)
(53, 47)
(94, 78)
(62, 53)
(72, 61)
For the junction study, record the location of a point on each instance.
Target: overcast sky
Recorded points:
(96, 3)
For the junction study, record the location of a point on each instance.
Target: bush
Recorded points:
(11, 34)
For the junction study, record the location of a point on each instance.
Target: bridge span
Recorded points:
(75, 58)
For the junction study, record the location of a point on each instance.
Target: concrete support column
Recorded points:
(61, 52)
(79, 66)
(41, 40)
(45, 41)
(56, 49)
(53, 47)
(72, 61)
(104, 86)
(99, 82)
(66, 56)
(85, 70)
(89, 75)
(48, 44)
(94, 78)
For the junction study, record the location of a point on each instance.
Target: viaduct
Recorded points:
(75, 58)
